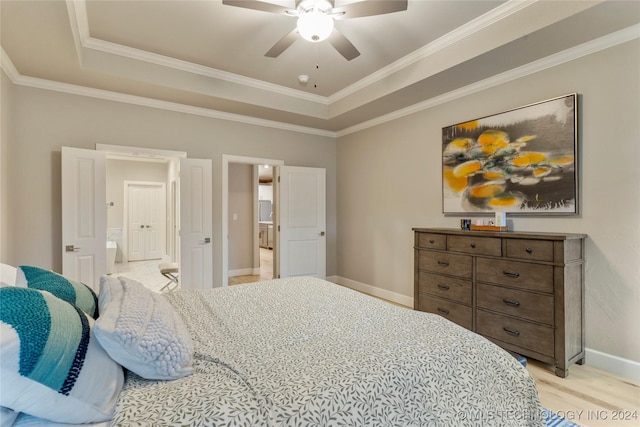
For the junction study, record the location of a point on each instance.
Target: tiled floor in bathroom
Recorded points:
(145, 272)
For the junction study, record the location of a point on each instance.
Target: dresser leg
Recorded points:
(580, 361)
(562, 373)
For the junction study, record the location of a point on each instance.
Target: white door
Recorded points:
(301, 221)
(147, 221)
(84, 215)
(196, 224)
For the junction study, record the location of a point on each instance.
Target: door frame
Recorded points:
(125, 213)
(224, 235)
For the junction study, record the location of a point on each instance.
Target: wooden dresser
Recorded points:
(523, 291)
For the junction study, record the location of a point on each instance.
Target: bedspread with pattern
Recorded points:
(306, 352)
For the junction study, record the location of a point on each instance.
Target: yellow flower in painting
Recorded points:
(528, 158)
(473, 124)
(505, 201)
(493, 174)
(486, 191)
(493, 140)
(455, 183)
(541, 171)
(458, 145)
(467, 168)
(561, 161)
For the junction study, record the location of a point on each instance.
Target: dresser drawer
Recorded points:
(446, 263)
(457, 313)
(526, 305)
(535, 250)
(517, 332)
(432, 241)
(475, 245)
(458, 290)
(536, 277)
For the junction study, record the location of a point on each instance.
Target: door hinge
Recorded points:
(278, 179)
(278, 228)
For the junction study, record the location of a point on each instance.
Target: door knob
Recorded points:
(71, 248)
(142, 226)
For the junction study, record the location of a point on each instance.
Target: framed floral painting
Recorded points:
(521, 161)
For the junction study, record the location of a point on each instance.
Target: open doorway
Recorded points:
(140, 217)
(143, 212)
(250, 201)
(248, 252)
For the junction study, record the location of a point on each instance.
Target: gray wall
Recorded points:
(6, 136)
(390, 181)
(241, 202)
(46, 120)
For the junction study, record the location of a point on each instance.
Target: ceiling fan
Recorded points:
(316, 20)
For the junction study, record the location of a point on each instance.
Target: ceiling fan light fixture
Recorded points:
(315, 26)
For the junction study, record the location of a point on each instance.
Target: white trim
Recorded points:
(469, 29)
(608, 362)
(593, 46)
(123, 150)
(244, 272)
(79, 23)
(374, 291)
(224, 235)
(605, 42)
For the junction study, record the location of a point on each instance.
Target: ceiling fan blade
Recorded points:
(368, 8)
(282, 44)
(343, 45)
(256, 5)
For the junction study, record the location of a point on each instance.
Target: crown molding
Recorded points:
(596, 45)
(469, 29)
(82, 38)
(585, 49)
(38, 83)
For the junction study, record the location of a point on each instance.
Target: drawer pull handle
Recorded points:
(443, 287)
(473, 245)
(443, 310)
(432, 241)
(511, 274)
(511, 332)
(528, 250)
(443, 263)
(511, 303)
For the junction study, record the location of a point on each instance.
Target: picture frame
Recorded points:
(523, 161)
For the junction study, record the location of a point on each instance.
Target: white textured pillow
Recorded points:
(141, 330)
(52, 366)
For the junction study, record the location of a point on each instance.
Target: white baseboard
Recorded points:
(243, 272)
(607, 362)
(614, 364)
(373, 291)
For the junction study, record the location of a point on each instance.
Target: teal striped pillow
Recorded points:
(73, 292)
(52, 365)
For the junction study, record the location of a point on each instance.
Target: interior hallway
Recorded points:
(266, 270)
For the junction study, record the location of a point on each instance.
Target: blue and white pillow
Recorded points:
(52, 366)
(142, 331)
(71, 291)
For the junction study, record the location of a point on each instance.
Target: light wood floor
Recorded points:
(266, 270)
(589, 397)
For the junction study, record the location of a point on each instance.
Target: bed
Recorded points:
(307, 352)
